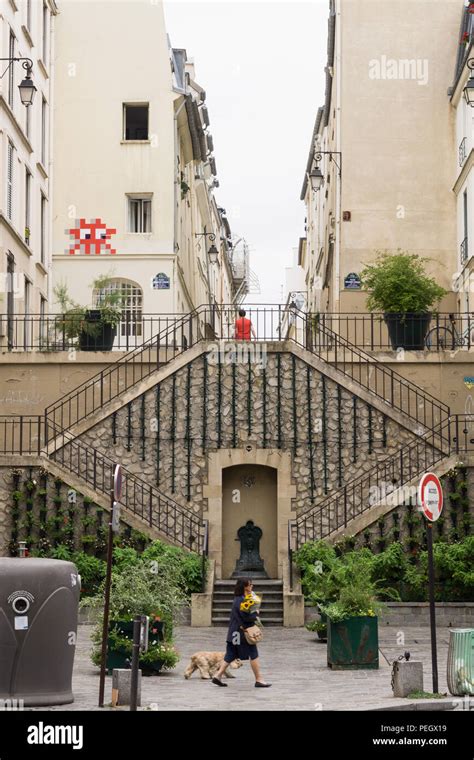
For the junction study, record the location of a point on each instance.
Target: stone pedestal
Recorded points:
(408, 677)
(121, 687)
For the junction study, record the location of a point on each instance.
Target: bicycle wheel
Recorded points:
(440, 339)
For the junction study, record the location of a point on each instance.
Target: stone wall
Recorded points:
(449, 614)
(164, 436)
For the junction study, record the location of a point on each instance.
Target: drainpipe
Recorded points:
(175, 210)
(52, 78)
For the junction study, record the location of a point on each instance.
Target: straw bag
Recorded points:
(253, 635)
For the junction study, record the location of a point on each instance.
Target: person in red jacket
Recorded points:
(243, 327)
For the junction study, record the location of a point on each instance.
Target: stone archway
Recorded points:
(249, 492)
(220, 460)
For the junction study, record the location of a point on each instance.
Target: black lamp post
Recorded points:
(26, 87)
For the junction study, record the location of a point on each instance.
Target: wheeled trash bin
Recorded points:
(39, 601)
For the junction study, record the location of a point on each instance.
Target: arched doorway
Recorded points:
(249, 492)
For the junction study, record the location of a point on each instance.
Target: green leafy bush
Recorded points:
(397, 283)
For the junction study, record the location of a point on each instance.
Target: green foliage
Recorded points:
(425, 695)
(190, 564)
(158, 650)
(315, 559)
(397, 283)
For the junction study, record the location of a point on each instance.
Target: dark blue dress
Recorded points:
(237, 646)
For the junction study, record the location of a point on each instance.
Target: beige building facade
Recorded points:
(383, 143)
(135, 173)
(26, 165)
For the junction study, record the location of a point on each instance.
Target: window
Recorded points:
(131, 303)
(43, 229)
(43, 132)
(27, 206)
(135, 122)
(28, 15)
(28, 121)
(43, 326)
(45, 33)
(26, 330)
(10, 299)
(11, 78)
(10, 179)
(139, 214)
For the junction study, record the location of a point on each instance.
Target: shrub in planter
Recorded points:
(96, 327)
(141, 589)
(399, 287)
(352, 616)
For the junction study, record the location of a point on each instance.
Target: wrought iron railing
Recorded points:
(21, 434)
(32, 332)
(385, 481)
(179, 524)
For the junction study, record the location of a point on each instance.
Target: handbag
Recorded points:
(253, 635)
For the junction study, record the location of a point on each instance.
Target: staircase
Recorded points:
(271, 611)
(176, 345)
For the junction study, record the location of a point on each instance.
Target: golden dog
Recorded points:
(208, 664)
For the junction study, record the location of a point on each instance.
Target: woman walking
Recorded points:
(238, 647)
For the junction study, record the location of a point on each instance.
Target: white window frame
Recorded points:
(11, 74)
(135, 201)
(28, 182)
(44, 107)
(45, 24)
(43, 215)
(10, 178)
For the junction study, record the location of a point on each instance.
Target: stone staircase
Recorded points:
(271, 591)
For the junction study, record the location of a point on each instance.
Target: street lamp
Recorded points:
(316, 178)
(212, 252)
(469, 88)
(26, 86)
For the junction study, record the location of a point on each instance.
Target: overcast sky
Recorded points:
(262, 66)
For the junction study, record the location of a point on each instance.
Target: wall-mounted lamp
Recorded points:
(212, 252)
(469, 88)
(26, 86)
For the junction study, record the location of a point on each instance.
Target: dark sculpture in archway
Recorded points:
(250, 561)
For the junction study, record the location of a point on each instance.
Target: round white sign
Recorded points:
(430, 494)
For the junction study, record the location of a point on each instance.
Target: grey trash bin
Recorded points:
(460, 673)
(39, 601)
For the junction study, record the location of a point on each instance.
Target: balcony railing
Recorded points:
(462, 151)
(32, 332)
(464, 250)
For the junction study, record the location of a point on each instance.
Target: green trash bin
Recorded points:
(461, 662)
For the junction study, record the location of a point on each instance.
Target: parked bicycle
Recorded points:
(444, 337)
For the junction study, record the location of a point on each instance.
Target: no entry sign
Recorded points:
(430, 494)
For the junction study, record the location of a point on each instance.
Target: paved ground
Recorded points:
(291, 660)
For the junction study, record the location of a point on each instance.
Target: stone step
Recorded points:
(258, 583)
(222, 610)
(264, 594)
(268, 621)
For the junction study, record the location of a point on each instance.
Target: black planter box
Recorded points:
(103, 336)
(407, 331)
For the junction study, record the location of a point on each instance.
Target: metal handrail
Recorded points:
(181, 525)
(352, 500)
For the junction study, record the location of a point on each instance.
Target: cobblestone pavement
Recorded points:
(291, 660)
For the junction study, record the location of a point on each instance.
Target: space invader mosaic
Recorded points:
(90, 237)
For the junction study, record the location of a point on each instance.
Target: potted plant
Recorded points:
(320, 627)
(94, 327)
(138, 590)
(352, 618)
(399, 287)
